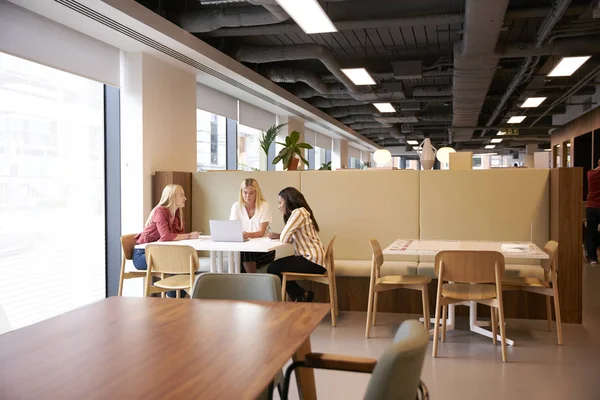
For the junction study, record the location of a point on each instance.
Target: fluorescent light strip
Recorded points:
(485, 154)
(490, 146)
(309, 15)
(412, 142)
(501, 133)
(533, 102)
(359, 76)
(516, 120)
(384, 107)
(567, 66)
(496, 140)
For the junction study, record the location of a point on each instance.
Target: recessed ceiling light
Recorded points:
(359, 76)
(490, 146)
(485, 154)
(415, 148)
(412, 142)
(517, 120)
(567, 66)
(496, 140)
(500, 133)
(309, 15)
(533, 102)
(384, 107)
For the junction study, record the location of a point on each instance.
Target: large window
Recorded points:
(211, 134)
(248, 148)
(52, 212)
(322, 156)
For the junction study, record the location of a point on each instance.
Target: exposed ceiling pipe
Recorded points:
(307, 92)
(475, 62)
(432, 90)
(345, 111)
(357, 118)
(530, 63)
(367, 125)
(293, 75)
(558, 47)
(207, 20)
(393, 132)
(330, 103)
(265, 54)
(409, 21)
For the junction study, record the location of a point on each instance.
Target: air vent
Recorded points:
(88, 12)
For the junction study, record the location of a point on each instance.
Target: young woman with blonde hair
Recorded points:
(164, 224)
(254, 213)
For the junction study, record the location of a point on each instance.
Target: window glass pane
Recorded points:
(52, 230)
(320, 157)
(248, 148)
(278, 148)
(211, 136)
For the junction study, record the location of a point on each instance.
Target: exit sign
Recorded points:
(512, 131)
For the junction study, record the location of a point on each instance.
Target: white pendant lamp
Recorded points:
(443, 154)
(382, 157)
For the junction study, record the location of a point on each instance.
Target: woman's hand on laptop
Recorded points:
(246, 235)
(273, 235)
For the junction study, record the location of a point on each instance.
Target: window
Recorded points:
(354, 163)
(211, 135)
(52, 207)
(248, 148)
(321, 157)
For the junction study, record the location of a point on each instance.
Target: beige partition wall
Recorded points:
(215, 192)
(462, 160)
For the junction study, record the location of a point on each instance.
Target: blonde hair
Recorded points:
(253, 183)
(166, 199)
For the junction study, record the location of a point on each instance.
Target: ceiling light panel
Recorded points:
(533, 102)
(490, 146)
(516, 120)
(309, 15)
(501, 133)
(412, 142)
(384, 107)
(496, 140)
(567, 66)
(359, 76)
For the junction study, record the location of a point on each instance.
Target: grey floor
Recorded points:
(470, 367)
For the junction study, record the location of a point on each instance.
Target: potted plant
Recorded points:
(325, 166)
(291, 149)
(267, 138)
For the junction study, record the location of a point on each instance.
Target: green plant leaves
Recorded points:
(291, 148)
(268, 137)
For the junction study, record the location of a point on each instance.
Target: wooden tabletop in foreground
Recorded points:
(155, 348)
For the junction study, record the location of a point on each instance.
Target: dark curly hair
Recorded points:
(295, 199)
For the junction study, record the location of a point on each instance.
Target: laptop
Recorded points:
(226, 231)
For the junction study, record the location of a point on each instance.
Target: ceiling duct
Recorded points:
(207, 20)
(475, 62)
(409, 119)
(293, 75)
(432, 90)
(308, 92)
(330, 103)
(337, 112)
(368, 125)
(357, 118)
(393, 132)
(408, 69)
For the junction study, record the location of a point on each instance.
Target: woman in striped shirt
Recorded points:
(301, 230)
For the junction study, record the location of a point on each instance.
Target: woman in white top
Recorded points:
(255, 214)
(301, 229)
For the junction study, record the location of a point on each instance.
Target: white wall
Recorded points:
(158, 130)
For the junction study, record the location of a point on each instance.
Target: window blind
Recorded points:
(255, 117)
(323, 141)
(213, 101)
(309, 137)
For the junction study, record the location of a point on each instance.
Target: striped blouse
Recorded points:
(300, 231)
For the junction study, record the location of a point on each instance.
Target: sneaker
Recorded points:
(306, 297)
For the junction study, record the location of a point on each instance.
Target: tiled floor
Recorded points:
(469, 367)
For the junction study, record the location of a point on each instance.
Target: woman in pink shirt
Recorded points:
(164, 224)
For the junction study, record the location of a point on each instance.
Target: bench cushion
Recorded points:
(510, 270)
(362, 268)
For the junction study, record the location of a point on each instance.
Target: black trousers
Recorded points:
(592, 216)
(261, 259)
(294, 264)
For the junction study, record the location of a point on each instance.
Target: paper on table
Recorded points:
(513, 247)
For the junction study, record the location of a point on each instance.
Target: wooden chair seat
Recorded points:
(174, 282)
(519, 282)
(298, 276)
(468, 291)
(403, 280)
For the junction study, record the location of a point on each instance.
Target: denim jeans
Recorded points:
(139, 262)
(592, 216)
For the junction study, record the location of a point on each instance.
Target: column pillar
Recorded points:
(339, 155)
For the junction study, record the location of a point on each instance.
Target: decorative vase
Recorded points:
(427, 154)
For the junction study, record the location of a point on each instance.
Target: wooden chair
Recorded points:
(380, 283)
(328, 278)
(547, 287)
(395, 375)
(181, 262)
(127, 244)
(470, 274)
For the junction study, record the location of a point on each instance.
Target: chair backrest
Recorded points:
(398, 371)
(252, 287)
(127, 244)
(329, 258)
(469, 266)
(377, 256)
(171, 258)
(551, 249)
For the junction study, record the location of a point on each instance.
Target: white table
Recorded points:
(204, 243)
(432, 247)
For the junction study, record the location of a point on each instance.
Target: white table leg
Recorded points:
(476, 325)
(449, 321)
(237, 263)
(231, 261)
(220, 261)
(213, 261)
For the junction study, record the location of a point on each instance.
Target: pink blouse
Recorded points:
(160, 228)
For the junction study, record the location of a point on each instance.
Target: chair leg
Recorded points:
(502, 328)
(494, 325)
(444, 318)
(436, 323)
(557, 314)
(177, 294)
(283, 292)
(332, 302)
(549, 313)
(369, 311)
(425, 296)
(375, 295)
(337, 311)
